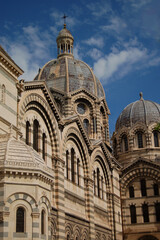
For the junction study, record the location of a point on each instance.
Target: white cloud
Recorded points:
(99, 8)
(140, 3)
(116, 65)
(30, 49)
(116, 24)
(95, 53)
(77, 52)
(99, 42)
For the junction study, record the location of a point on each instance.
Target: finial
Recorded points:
(141, 95)
(64, 17)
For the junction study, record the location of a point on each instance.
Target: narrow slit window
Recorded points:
(131, 192)
(143, 187)
(133, 214)
(43, 222)
(35, 134)
(156, 189)
(72, 165)
(28, 132)
(20, 221)
(145, 213)
(140, 139)
(44, 146)
(156, 140)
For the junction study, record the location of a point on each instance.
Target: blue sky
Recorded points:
(119, 39)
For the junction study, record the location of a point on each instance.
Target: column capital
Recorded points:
(58, 162)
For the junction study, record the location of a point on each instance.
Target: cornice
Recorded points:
(9, 64)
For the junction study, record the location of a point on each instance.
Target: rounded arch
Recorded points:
(76, 232)
(46, 201)
(138, 172)
(87, 100)
(99, 157)
(36, 102)
(74, 135)
(85, 234)
(68, 230)
(21, 196)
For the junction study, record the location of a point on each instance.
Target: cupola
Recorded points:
(65, 43)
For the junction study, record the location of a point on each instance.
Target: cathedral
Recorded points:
(61, 176)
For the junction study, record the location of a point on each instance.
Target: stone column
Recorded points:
(35, 225)
(59, 197)
(90, 206)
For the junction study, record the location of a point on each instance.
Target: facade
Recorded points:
(59, 176)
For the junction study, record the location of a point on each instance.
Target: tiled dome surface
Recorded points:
(80, 75)
(143, 111)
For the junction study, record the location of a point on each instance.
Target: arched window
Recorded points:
(145, 212)
(157, 209)
(28, 132)
(43, 222)
(124, 143)
(3, 96)
(67, 169)
(131, 192)
(133, 214)
(143, 187)
(20, 221)
(140, 139)
(94, 179)
(156, 189)
(156, 140)
(86, 125)
(35, 134)
(72, 165)
(68, 237)
(98, 183)
(115, 147)
(102, 186)
(78, 173)
(44, 145)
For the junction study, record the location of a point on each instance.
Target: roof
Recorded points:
(15, 154)
(68, 75)
(142, 111)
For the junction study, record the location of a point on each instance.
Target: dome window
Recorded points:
(156, 140)
(140, 139)
(124, 143)
(81, 108)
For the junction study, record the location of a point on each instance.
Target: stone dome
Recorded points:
(142, 111)
(64, 33)
(16, 154)
(68, 75)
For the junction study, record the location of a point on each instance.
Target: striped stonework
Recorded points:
(90, 207)
(59, 197)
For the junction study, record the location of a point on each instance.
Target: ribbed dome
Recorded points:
(64, 33)
(68, 75)
(142, 111)
(16, 154)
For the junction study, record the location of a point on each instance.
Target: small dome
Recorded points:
(64, 33)
(68, 75)
(142, 111)
(16, 154)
